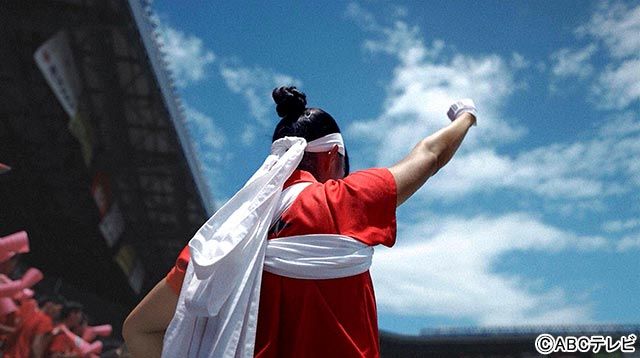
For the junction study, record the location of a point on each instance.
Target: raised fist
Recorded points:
(462, 106)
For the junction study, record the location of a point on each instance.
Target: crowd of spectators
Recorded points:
(35, 324)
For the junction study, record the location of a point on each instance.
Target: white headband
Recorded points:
(325, 143)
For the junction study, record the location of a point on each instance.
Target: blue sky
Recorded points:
(537, 218)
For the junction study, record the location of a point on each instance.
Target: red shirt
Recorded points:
(36, 323)
(323, 318)
(9, 320)
(62, 343)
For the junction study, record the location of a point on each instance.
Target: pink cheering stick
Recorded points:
(90, 333)
(30, 278)
(10, 289)
(85, 347)
(12, 244)
(90, 348)
(7, 306)
(26, 293)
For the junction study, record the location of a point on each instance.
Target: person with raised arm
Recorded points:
(282, 269)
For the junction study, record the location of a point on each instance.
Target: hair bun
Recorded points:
(289, 101)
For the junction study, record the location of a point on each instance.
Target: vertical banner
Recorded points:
(112, 225)
(80, 128)
(101, 192)
(55, 60)
(131, 266)
(56, 63)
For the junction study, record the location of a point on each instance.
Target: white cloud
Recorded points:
(616, 25)
(518, 61)
(629, 243)
(422, 88)
(622, 125)
(255, 85)
(187, 55)
(621, 225)
(209, 142)
(188, 58)
(248, 135)
(618, 87)
(362, 17)
(568, 62)
(208, 133)
(448, 269)
(402, 40)
(399, 39)
(589, 169)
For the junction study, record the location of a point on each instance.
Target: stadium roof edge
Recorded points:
(141, 13)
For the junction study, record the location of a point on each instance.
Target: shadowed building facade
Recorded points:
(109, 190)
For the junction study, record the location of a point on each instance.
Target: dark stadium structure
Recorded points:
(497, 342)
(109, 197)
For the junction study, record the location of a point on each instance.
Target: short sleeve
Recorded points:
(59, 344)
(363, 205)
(45, 325)
(175, 277)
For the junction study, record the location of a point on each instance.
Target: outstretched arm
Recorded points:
(39, 345)
(428, 156)
(143, 330)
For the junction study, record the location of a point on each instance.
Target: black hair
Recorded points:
(299, 121)
(56, 299)
(85, 318)
(69, 308)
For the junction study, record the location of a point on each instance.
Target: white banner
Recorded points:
(112, 225)
(136, 277)
(55, 60)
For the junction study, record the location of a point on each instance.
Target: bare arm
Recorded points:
(64, 355)
(40, 344)
(143, 330)
(428, 156)
(7, 329)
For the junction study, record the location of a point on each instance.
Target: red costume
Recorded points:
(62, 343)
(36, 323)
(323, 318)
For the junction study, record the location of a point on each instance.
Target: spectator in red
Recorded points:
(8, 321)
(34, 334)
(81, 327)
(61, 344)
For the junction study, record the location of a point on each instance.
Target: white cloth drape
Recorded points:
(217, 310)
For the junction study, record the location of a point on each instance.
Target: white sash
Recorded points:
(317, 257)
(314, 257)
